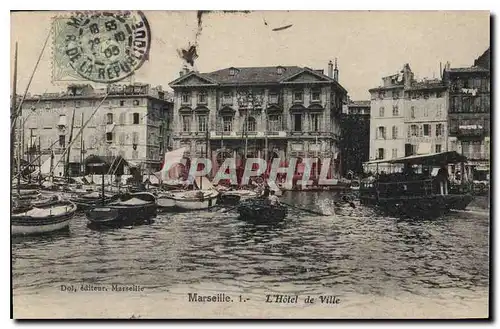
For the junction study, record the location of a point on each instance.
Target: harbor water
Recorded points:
(375, 266)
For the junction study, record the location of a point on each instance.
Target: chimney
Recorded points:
(330, 69)
(336, 71)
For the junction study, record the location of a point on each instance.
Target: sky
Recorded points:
(367, 44)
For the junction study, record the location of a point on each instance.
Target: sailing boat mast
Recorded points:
(13, 115)
(69, 146)
(82, 167)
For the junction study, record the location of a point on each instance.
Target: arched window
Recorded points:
(109, 118)
(251, 124)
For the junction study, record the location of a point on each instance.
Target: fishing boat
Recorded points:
(130, 209)
(261, 212)
(38, 220)
(414, 193)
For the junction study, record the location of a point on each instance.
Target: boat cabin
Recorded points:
(413, 176)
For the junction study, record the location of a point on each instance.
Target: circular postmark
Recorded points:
(105, 47)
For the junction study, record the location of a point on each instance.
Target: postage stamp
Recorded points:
(101, 47)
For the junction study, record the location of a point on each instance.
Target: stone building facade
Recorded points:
(469, 114)
(408, 116)
(132, 122)
(355, 136)
(296, 109)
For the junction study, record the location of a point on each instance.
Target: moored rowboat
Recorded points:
(43, 220)
(260, 212)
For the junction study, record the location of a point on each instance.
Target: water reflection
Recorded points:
(362, 253)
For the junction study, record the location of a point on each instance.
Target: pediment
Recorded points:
(192, 79)
(306, 76)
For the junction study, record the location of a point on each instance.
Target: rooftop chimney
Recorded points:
(330, 69)
(336, 71)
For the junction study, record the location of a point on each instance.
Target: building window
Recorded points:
(186, 98)
(122, 103)
(136, 118)
(227, 97)
(439, 94)
(414, 131)
(427, 130)
(394, 132)
(476, 150)
(251, 124)
(426, 112)
(381, 111)
(232, 72)
(426, 94)
(186, 123)
(227, 123)
(136, 102)
(297, 122)
(438, 148)
(109, 118)
(316, 95)
(394, 153)
(439, 129)
(202, 98)
(109, 137)
(48, 105)
(202, 123)
(381, 133)
(315, 122)
(298, 96)
(135, 154)
(380, 153)
(280, 70)
(395, 111)
(273, 98)
(62, 141)
(135, 138)
(274, 122)
(78, 103)
(439, 111)
(395, 94)
(412, 112)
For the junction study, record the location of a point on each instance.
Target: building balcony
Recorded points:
(469, 131)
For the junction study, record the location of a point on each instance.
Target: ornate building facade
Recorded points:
(294, 111)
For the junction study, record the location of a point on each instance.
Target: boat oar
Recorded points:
(304, 209)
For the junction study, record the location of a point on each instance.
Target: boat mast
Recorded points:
(82, 167)
(69, 146)
(40, 160)
(30, 149)
(13, 116)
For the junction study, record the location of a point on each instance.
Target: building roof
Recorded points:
(467, 69)
(359, 104)
(428, 84)
(265, 74)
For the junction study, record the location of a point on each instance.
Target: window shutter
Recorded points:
(376, 133)
(421, 131)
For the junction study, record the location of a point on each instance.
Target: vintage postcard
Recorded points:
(250, 164)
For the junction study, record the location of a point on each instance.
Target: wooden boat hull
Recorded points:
(419, 206)
(122, 213)
(260, 212)
(189, 201)
(165, 204)
(196, 204)
(27, 225)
